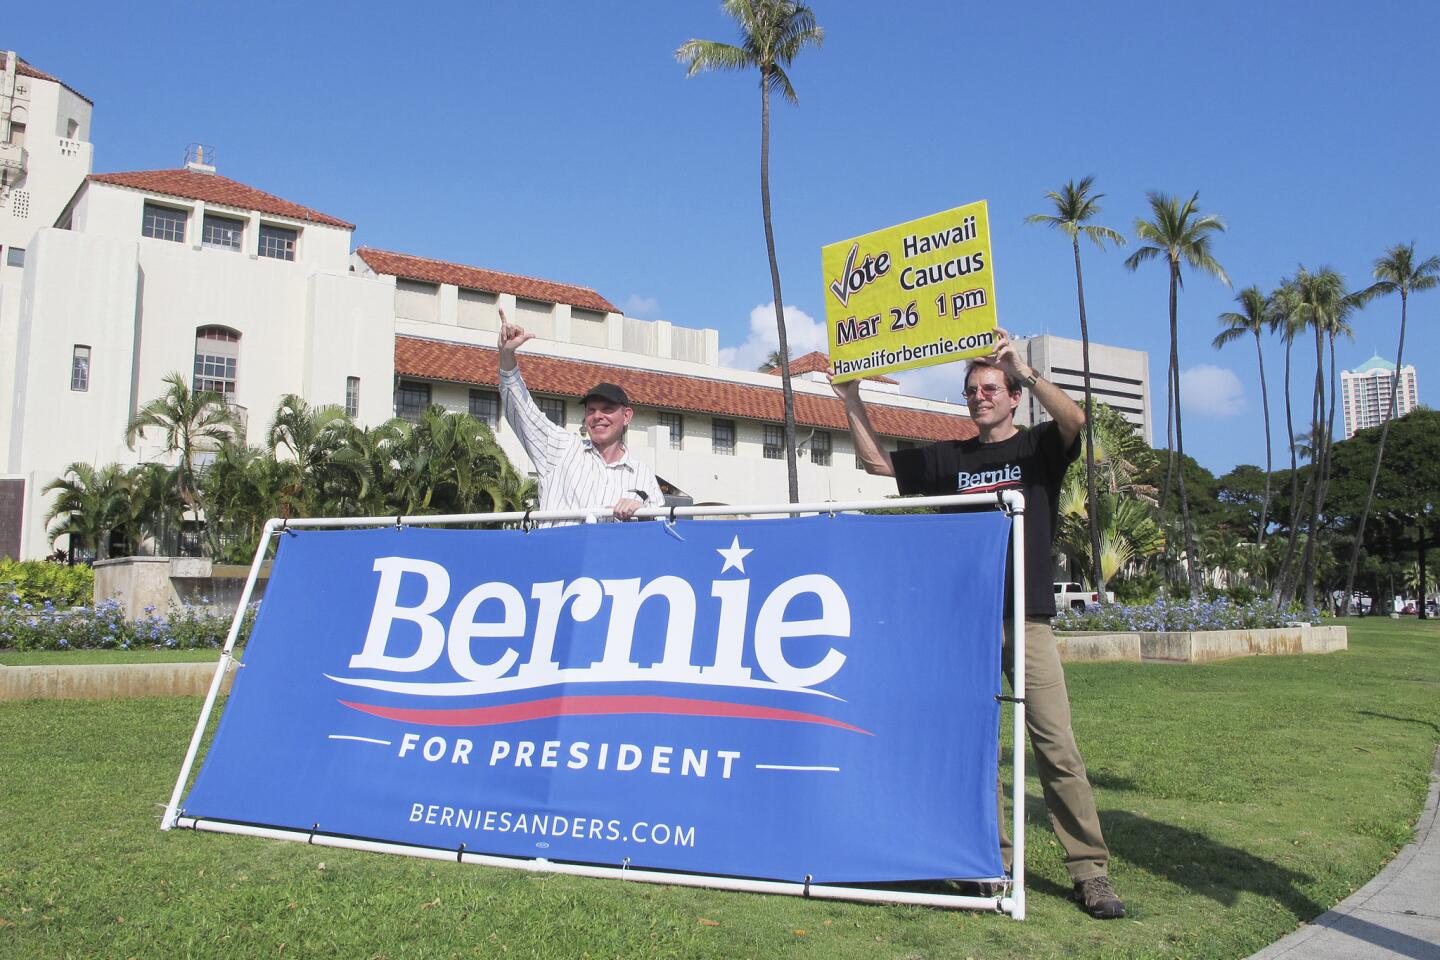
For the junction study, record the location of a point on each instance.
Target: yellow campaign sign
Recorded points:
(911, 295)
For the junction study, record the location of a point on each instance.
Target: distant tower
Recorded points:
(1366, 393)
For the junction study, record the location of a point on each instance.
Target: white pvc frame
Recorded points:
(1012, 898)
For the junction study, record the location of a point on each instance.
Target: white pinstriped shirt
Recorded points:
(572, 474)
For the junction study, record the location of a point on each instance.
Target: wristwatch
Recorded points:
(1030, 380)
(644, 497)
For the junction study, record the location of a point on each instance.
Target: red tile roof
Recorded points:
(440, 271)
(463, 363)
(25, 70)
(213, 188)
(817, 362)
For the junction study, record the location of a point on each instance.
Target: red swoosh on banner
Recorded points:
(593, 706)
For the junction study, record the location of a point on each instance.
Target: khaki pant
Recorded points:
(1068, 797)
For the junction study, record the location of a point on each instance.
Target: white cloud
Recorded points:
(1211, 391)
(803, 332)
(940, 381)
(643, 307)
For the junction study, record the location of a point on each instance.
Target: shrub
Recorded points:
(25, 625)
(1167, 615)
(36, 581)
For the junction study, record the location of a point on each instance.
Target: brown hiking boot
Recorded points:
(1097, 898)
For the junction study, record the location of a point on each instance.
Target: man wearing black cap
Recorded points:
(577, 473)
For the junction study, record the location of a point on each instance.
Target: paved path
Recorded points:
(1395, 915)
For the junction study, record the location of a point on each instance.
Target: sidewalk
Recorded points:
(1395, 915)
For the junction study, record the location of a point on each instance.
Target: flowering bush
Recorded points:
(1172, 615)
(25, 625)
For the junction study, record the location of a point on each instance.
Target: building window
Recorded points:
(774, 442)
(485, 406)
(676, 423)
(352, 396)
(820, 449)
(80, 368)
(15, 257)
(415, 300)
(163, 223)
(553, 408)
(222, 233)
(722, 437)
(277, 243)
(217, 353)
(411, 400)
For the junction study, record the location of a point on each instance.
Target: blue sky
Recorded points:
(562, 140)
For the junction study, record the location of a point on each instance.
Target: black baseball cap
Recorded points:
(607, 391)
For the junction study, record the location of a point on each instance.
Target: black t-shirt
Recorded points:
(1033, 461)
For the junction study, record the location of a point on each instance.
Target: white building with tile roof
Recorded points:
(120, 279)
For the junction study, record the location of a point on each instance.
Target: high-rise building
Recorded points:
(1119, 378)
(1366, 393)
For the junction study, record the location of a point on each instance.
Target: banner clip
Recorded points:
(808, 878)
(313, 827)
(398, 518)
(1001, 698)
(624, 865)
(1008, 509)
(525, 523)
(460, 854)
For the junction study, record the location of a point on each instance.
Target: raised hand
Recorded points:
(1005, 356)
(512, 337)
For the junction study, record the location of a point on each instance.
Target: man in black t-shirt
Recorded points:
(1033, 461)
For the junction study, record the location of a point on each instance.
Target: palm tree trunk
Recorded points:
(1379, 456)
(1423, 545)
(1317, 466)
(785, 388)
(1192, 555)
(1265, 405)
(1283, 572)
(1169, 432)
(1092, 500)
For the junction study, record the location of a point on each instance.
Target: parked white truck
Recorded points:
(1074, 596)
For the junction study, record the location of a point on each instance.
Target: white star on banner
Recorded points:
(734, 555)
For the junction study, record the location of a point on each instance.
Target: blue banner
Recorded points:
(765, 698)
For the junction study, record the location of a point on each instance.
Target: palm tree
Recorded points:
(90, 503)
(772, 33)
(1074, 204)
(191, 422)
(311, 435)
(771, 362)
(1395, 272)
(151, 505)
(1253, 317)
(1324, 306)
(1287, 319)
(1179, 232)
(1125, 505)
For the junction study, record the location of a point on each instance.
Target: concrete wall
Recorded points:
(157, 582)
(110, 681)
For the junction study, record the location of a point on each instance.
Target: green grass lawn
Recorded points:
(1238, 799)
(45, 658)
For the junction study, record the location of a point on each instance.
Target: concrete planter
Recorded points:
(109, 681)
(138, 582)
(1201, 646)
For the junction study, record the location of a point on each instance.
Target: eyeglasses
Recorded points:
(987, 390)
